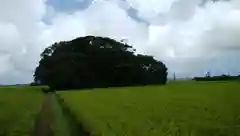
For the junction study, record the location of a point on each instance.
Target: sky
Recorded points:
(191, 37)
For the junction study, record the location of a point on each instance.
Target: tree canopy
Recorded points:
(217, 78)
(92, 62)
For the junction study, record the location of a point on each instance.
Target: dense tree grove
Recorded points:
(217, 78)
(91, 62)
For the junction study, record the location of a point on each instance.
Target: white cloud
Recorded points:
(189, 38)
(102, 18)
(19, 31)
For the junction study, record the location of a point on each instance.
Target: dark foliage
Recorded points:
(34, 84)
(217, 78)
(93, 62)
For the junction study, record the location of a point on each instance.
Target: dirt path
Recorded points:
(42, 126)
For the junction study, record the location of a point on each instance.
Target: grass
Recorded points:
(18, 109)
(177, 109)
(61, 126)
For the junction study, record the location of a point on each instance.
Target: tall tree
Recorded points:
(90, 61)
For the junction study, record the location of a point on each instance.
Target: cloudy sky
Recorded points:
(190, 36)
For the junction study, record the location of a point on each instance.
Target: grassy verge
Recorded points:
(60, 124)
(65, 123)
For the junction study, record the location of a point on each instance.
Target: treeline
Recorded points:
(217, 78)
(94, 62)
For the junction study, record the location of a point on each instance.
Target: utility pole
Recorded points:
(174, 76)
(208, 74)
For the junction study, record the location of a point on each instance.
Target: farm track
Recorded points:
(42, 126)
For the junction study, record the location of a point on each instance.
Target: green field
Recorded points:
(177, 109)
(18, 109)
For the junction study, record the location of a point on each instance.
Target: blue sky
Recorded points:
(74, 5)
(69, 5)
